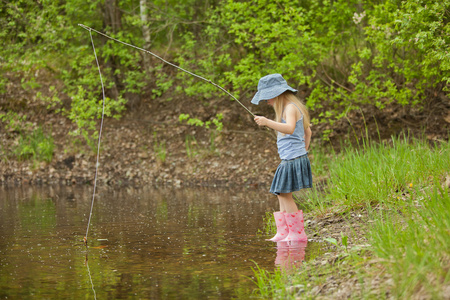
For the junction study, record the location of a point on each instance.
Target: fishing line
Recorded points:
(86, 263)
(103, 110)
(99, 140)
(169, 63)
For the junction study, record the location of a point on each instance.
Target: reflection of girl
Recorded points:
(294, 135)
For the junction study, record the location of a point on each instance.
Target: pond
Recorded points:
(149, 243)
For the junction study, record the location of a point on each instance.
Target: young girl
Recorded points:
(294, 135)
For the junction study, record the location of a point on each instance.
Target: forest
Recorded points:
(341, 55)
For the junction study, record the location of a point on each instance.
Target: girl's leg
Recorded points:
(287, 203)
(282, 208)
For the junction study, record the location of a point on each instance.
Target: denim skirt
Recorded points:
(292, 175)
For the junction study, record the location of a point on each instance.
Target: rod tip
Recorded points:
(84, 26)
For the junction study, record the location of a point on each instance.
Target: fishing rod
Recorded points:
(104, 99)
(169, 63)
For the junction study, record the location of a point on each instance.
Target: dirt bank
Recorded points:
(149, 145)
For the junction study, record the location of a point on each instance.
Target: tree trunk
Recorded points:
(145, 32)
(113, 18)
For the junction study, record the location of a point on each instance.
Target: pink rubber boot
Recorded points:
(282, 230)
(294, 222)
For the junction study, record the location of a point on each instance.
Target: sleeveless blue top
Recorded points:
(291, 146)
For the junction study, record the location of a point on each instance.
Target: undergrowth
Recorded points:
(36, 146)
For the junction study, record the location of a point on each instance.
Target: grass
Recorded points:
(399, 185)
(160, 149)
(270, 283)
(36, 145)
(378, 173)
(191, 146)
(414, 244)
(195, 148)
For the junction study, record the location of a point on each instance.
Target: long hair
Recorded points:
(287, 97)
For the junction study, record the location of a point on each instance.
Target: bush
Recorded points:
(36, 145)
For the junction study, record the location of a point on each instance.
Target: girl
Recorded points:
(294, 135)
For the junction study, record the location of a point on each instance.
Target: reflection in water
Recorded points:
(291, 256)
(86, 263)
(147, 243)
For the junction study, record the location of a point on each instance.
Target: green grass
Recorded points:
(191, 146)
(270, 284)
(159, 149)
(378, 173)
(36, 145)
(413, 242)
(375, 172)
(320, 158)
(399, 184)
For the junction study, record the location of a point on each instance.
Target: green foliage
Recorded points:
(191, 142)
(410, 42)
(36, 145)
(217, 121)
(53, 100)
(163, 83)
(31, 144)
(46, 36)
(313, 199)
(14, 121)
(342, 54)
(86, 109)
(346, 53)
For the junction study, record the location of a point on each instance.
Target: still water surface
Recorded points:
(143, 244)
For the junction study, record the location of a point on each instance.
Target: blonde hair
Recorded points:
(287, 97)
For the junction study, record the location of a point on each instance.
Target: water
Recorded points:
(143, 244)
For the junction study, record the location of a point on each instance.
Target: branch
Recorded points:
(332, 80)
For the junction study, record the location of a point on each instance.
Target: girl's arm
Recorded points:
(286, 128)
(308, 134)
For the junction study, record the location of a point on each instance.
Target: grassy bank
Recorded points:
(400, 188)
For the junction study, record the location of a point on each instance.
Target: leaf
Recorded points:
(344, 240)
(331, 241)
(356, 248)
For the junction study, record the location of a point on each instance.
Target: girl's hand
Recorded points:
(261, 121)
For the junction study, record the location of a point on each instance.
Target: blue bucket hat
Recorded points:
(271, 86)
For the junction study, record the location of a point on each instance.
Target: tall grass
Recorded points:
(379, 172)
(320, 158)
(414, 243)
(373, 173)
